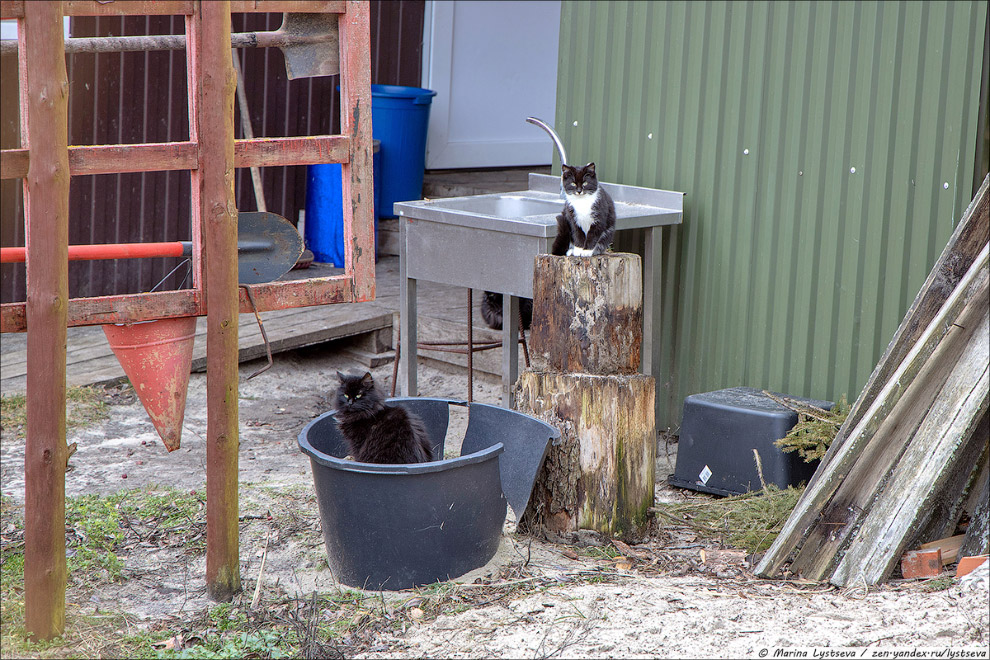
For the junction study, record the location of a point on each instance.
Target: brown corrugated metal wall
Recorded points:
(126, 98)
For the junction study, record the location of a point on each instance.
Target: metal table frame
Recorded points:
(497, 254)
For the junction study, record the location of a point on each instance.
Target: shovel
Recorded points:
(308, 41)
(268, 246)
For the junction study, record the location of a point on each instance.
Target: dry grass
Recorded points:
(750, 521)
(85, 406)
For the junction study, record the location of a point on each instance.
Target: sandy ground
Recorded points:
(667, 601)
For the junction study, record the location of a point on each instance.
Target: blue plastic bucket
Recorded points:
(324, 231)
(400, 116)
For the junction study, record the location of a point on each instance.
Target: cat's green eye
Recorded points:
(357, 396)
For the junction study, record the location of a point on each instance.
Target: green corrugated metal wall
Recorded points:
(826, 151)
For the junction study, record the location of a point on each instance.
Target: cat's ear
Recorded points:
(590, 167)
(367, 380)
(341, 376)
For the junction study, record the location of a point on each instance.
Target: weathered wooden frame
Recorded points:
(351, 148)
(47, 161)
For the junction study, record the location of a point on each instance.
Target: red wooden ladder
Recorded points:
(47, 161)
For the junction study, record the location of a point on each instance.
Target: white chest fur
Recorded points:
(582, 209)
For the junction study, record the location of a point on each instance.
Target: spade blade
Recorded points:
(316, 48)
(268, 246)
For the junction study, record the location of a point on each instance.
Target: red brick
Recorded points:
(922, 563)
(969, 564)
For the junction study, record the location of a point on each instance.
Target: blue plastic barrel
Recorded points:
(324, 231)
(400, 116)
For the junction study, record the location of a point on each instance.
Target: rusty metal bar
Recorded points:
(157, 42)
(44, 129)
(261, 326)
(218, 215)
(470, 345)
(522, 340)
(165, 156)
(432, 344)
(460, 351)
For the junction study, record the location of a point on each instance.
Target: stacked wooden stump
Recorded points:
(585, 344)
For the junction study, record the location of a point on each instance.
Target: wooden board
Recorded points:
(820, 517)
(886, 449)
(949, 547)
(90, 360)
(977, 541)
(943, 447)
(969, 237)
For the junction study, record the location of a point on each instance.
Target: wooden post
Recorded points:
(44, 130)
(585, 346)
(218, 215)
(354, 28)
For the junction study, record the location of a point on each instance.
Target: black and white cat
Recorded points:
(587, 224)
(584, 228)
(375, 432)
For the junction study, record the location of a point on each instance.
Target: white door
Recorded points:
(492, 65)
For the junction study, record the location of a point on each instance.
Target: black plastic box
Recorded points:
(720, 430)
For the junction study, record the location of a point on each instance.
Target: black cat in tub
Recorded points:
(400, 525)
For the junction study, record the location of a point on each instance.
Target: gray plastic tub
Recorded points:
(400, 526)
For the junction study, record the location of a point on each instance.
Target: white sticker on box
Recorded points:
(705, 475)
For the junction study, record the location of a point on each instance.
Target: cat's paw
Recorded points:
(581, 252)
(570, 251)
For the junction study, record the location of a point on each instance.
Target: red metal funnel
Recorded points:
(157, 357)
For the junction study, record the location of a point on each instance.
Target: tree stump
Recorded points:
(590, 316)
(586, 339)
(601, 476)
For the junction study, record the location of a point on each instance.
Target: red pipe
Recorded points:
(16, 255)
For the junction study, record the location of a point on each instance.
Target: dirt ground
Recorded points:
(673, 595)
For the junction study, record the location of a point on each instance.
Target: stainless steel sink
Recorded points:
(508, 205)
(533, 212)
(525, 213)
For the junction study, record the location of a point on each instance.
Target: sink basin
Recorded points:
(526, 213)
(533, 212)
(510, 205)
